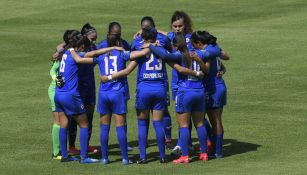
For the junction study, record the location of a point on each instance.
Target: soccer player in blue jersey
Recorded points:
(136, 44)
(69, 103)
(215, 85)
(87, 87)
(181, 23)
(115, 30)
(190, 98)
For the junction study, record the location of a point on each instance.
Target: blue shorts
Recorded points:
(190, 100)
(216, 96)
(112, 102)
(70, 104)
(88, 93)
(150, 98)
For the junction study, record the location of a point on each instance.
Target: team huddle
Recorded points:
(197, 88)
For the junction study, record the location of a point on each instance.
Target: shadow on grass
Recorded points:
(231, 147)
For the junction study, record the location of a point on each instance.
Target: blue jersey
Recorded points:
(189, 81)
(152, 69)
(161, 39)
(171, 36)
(86, 71)
(104, 44)
(69, 71)
(110, 63)
(213, 53)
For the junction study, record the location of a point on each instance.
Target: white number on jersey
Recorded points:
(195, 67)
(62, 66)
(114, 65)
(155, 67)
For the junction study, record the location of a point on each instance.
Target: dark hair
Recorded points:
(186, 20)
(87, 28)
(113, 40)
(77, 40)
(113, 25)
(66, 36)
(150, 19)
(149, 33)
(204, 37)
(180, 42)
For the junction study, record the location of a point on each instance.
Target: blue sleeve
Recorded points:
(205, 55)
(132, 47)
(164, 55)
(126, 45)
(126, 55)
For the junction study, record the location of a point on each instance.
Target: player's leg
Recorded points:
(55, 132)
(105, 121)
(142, 134)
(201, 133)
(160, 135)
(183, 120)
(122, 137)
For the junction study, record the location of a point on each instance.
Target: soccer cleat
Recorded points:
(104, 161)
(168, 144)
(141, 161)
(176, 150)
(129, 148)
(73, 151)
(69, 159)
(126, 162)
(203, 157)
(92, 150)
(218, 156)
(88, 160)
(182, 159)
(56, 157)
(163, 160)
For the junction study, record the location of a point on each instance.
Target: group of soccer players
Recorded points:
(197, 89)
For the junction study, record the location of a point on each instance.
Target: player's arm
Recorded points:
(80, 60)
(164, 55)
(184, 70)
(102, 51)
(137, 54)
(132, 65)
(224, 55)
(222, 71)
(162, 32)
(53, 70)
(203, 66)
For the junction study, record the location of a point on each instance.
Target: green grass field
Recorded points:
(265, 119)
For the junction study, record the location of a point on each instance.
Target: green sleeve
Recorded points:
(54, 69)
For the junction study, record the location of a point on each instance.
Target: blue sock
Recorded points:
(142, 137)
(160, 136)
(72, 132)
(63, 142)
(122, 140)
(90, 125)
(83, 142)
(202, 137)
(179, 141)
(147, 126)
(184, 139)
(167, 122)
(219, 144)
(104, 139)
(208, 129)
(190, 134)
